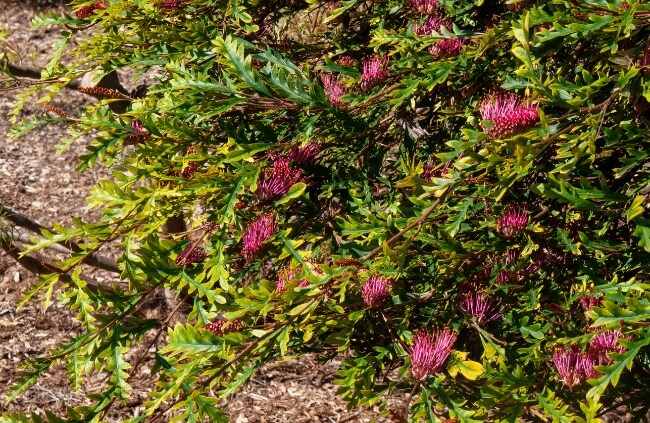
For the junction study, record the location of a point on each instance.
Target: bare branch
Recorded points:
(23, 221)
(39, 265)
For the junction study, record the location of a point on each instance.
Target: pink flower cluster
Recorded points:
(573, 366)
(86, 11)
(306, 154)
(513, 222)
(443, 48)
(190, 169)
(171, 4)
(430, 351)
(427, 7)
(334, 90)
(140, 134)
(590, 301)
(277, 181)
(480, 306)
(604, 343)
(286, 275)
(375, 291)
(375, 71)
(223, 326)
(256, 234)
(507, 115)
(347, 61)
(446, 48)
(193, 253)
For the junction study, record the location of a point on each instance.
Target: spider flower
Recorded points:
(604, 343)
(191, 254)
(480, 306)
(590, 301)
(430, 351)
(375, 71)
(443, 48)
(446, 48)
(513, 222)
(507, 114)
(573, 366)
(375, 291)
(223, 326)
(190, 169)
(286, 275)
(86, 11)
(140, 134)
(334, 90)
(306, 154)
(255, 235)
(277, 181)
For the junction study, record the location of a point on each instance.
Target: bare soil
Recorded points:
(46, 187)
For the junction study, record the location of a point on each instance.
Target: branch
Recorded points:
(110, 81)
(40, 266)
(23, 221)
(413, 224)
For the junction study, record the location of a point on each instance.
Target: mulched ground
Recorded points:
(45, 186)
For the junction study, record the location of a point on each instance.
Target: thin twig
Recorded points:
(413, 224)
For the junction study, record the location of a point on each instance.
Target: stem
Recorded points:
(427, 212)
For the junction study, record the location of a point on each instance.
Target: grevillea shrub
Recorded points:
(449, 196)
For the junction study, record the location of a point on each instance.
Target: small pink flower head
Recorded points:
(333, 89)
(573, 366)
(223, 326)
(604, 343)
(428, 7)
(481, 307)
(429, 170)
(430, 24)
(277, 181)
(590, 301)
(375, 291)
(101, 4)
(332, 5)
(347, 61)
(285, 275)
(446, 48)
(513, 222)
(84, 12)
(191, 254)
(375, 71)
(190, 169)
(302, 283)
(171, 4)
(306, 154)
(507, 114)
(140, 134)
(255, 235)
(430, 351)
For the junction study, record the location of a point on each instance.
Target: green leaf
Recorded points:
(635, 209)
(232, 56)
(294, 192)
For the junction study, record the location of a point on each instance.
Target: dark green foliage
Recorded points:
(410, 184)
